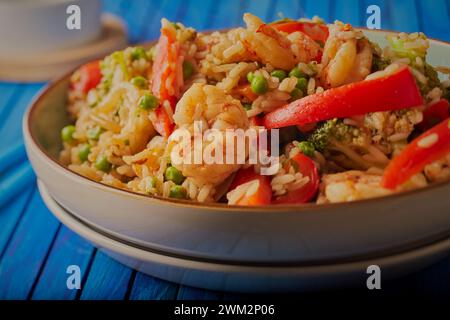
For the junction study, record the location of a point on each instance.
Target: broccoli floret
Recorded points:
(334, 129)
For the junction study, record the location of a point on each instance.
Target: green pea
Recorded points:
(67, 133)
(247, 106)
(94, 133)
(173, 174)
(102, 164)
(178, 192)
(250, 77)
(139, 82)
(297, 73)
(296, 94)
(280, 74)
(188, 70)
(148, 102)
(306, 148)
(83, 152)
(302, 83)
(259, 84)
(138, 53)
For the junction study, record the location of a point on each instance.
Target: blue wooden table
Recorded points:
(35, 249)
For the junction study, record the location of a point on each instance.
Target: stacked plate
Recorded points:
(235, 248)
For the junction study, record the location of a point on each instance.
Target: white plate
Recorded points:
(246, 277)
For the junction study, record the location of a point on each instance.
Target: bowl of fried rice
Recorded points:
(288, 142)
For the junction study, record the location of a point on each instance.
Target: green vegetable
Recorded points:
(335, 129)
(188, 70)
(139, 82)
(247, 106)
(138, 53)
(119, 58)
(174, 175)
(259, 85)
(280, 74)
(83, 152)
(302, 84)
(94, 133)
(307, 148)
(250, 77)
(148, 102)
(397, 45)
(175, 25)
(297, 73)
(102, 164)
(178, 192)
(153, 182)
(296, 94)
(67, 133)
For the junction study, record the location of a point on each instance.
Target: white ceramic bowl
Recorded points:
(246, 277)
(271, 235)
(33, 26)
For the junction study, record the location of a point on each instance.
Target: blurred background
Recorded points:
(35, 247)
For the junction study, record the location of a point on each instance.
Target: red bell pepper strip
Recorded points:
(305, 193)
(430, 146)
(163, 124)
(434, 114)
(262, 196)
(316, 31)
(89, 76)
(396, 91)
(164, 84)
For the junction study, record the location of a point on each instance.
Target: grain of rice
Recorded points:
(204, 193)
(287, 178)
(311, 86)
(303, 67)
(398, 137)
(288, 84)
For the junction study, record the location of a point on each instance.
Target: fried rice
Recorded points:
(127, 107)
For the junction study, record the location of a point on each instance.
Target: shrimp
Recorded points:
(350, 186)
(268, 44)
(347, 57)
(213, 109)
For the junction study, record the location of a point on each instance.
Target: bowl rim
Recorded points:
(306, 207)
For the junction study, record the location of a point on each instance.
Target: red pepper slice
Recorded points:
(262, 196)
(396, 91)
(316, 31)
(434, 114)
(89, 77)
(304, 194)
(430, 146)
(163, 124)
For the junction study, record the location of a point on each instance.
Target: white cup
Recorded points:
(38, 26)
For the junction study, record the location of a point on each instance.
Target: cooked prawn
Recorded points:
(214, 110)
(347, 57)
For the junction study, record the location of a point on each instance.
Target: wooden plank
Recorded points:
(107, 279)
(434, 18)
(11, 125)
(8, 91)
(348, 11)
(197, 14)
(146, 287)
(261, 8)
(113, 7)
(404, 15)
(169, 9)
(137, 14)
(321, 8)
(68, 249)
(228, 14)
(27, 250)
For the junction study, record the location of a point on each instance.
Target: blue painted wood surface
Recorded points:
(35, 249)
